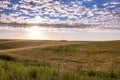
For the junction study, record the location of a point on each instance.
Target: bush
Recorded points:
(7, 57)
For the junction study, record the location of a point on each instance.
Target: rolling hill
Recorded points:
(59, 60)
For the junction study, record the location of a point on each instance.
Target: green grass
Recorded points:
(59, 60)
(30, 70)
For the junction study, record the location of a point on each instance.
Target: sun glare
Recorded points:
(35, 33)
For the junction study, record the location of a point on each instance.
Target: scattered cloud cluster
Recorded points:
(83, 14)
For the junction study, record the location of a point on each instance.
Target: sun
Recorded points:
(35, 33)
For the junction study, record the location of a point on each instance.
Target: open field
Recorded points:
(59, 60)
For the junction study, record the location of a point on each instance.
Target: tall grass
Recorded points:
(17, 70)
(97, 75)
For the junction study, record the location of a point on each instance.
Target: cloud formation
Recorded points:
(83, 14)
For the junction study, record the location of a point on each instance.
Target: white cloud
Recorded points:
(114, 3)
(98, 18)
(80, 10)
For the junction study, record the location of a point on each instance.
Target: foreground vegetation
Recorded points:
(59, 60)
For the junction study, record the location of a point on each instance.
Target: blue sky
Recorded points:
(90, 15)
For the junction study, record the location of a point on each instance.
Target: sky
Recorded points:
(60, 19)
